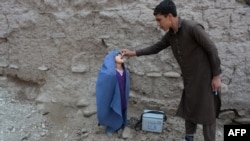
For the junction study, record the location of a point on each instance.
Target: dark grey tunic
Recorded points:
(199, 62)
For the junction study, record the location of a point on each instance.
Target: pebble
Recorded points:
(88, 113)
(82, 103)
(126, 133)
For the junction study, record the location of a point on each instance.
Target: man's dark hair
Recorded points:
(166, 7)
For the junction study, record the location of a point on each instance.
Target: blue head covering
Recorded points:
(108, 99)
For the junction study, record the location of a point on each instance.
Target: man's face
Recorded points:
(163, 21)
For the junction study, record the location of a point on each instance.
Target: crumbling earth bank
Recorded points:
(50, 53)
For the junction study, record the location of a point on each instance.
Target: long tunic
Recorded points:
(198, 59)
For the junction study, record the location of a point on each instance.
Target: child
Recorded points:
(112, 92)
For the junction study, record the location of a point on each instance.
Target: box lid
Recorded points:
(153, 115)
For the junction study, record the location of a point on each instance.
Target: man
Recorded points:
(200, 65)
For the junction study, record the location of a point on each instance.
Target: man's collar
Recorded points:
(179, 25)
(179, 22)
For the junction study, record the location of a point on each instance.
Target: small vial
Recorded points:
(216, 93)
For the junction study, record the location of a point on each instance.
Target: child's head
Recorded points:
(119, 59)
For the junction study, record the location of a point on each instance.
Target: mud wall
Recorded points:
(50, 51)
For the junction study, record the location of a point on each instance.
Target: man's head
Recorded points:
(166, 7)
(164, 13)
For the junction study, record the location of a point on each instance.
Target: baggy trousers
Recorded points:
(209, 130)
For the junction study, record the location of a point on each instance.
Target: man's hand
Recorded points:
(129, 53)
(216, 83)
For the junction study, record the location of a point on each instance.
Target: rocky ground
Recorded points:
(23, 120)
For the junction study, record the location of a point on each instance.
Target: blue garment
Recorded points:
(108, 97)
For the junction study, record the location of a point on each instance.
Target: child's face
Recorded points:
(119, 59)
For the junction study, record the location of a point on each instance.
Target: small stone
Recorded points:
(88, 113)
(84, 130)
(82, 103)
(172, 74)
(43, 134)
(140, 73)
(242, 120)
(85, 135)
(43, 125)
(11, 66)
(227, 115)
(79, 69)
(28, 116)
(43, 98)
(66, 135)
(43, 68)
(154, 74)
(126, 133)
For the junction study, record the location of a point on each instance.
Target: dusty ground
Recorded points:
(23, 120)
